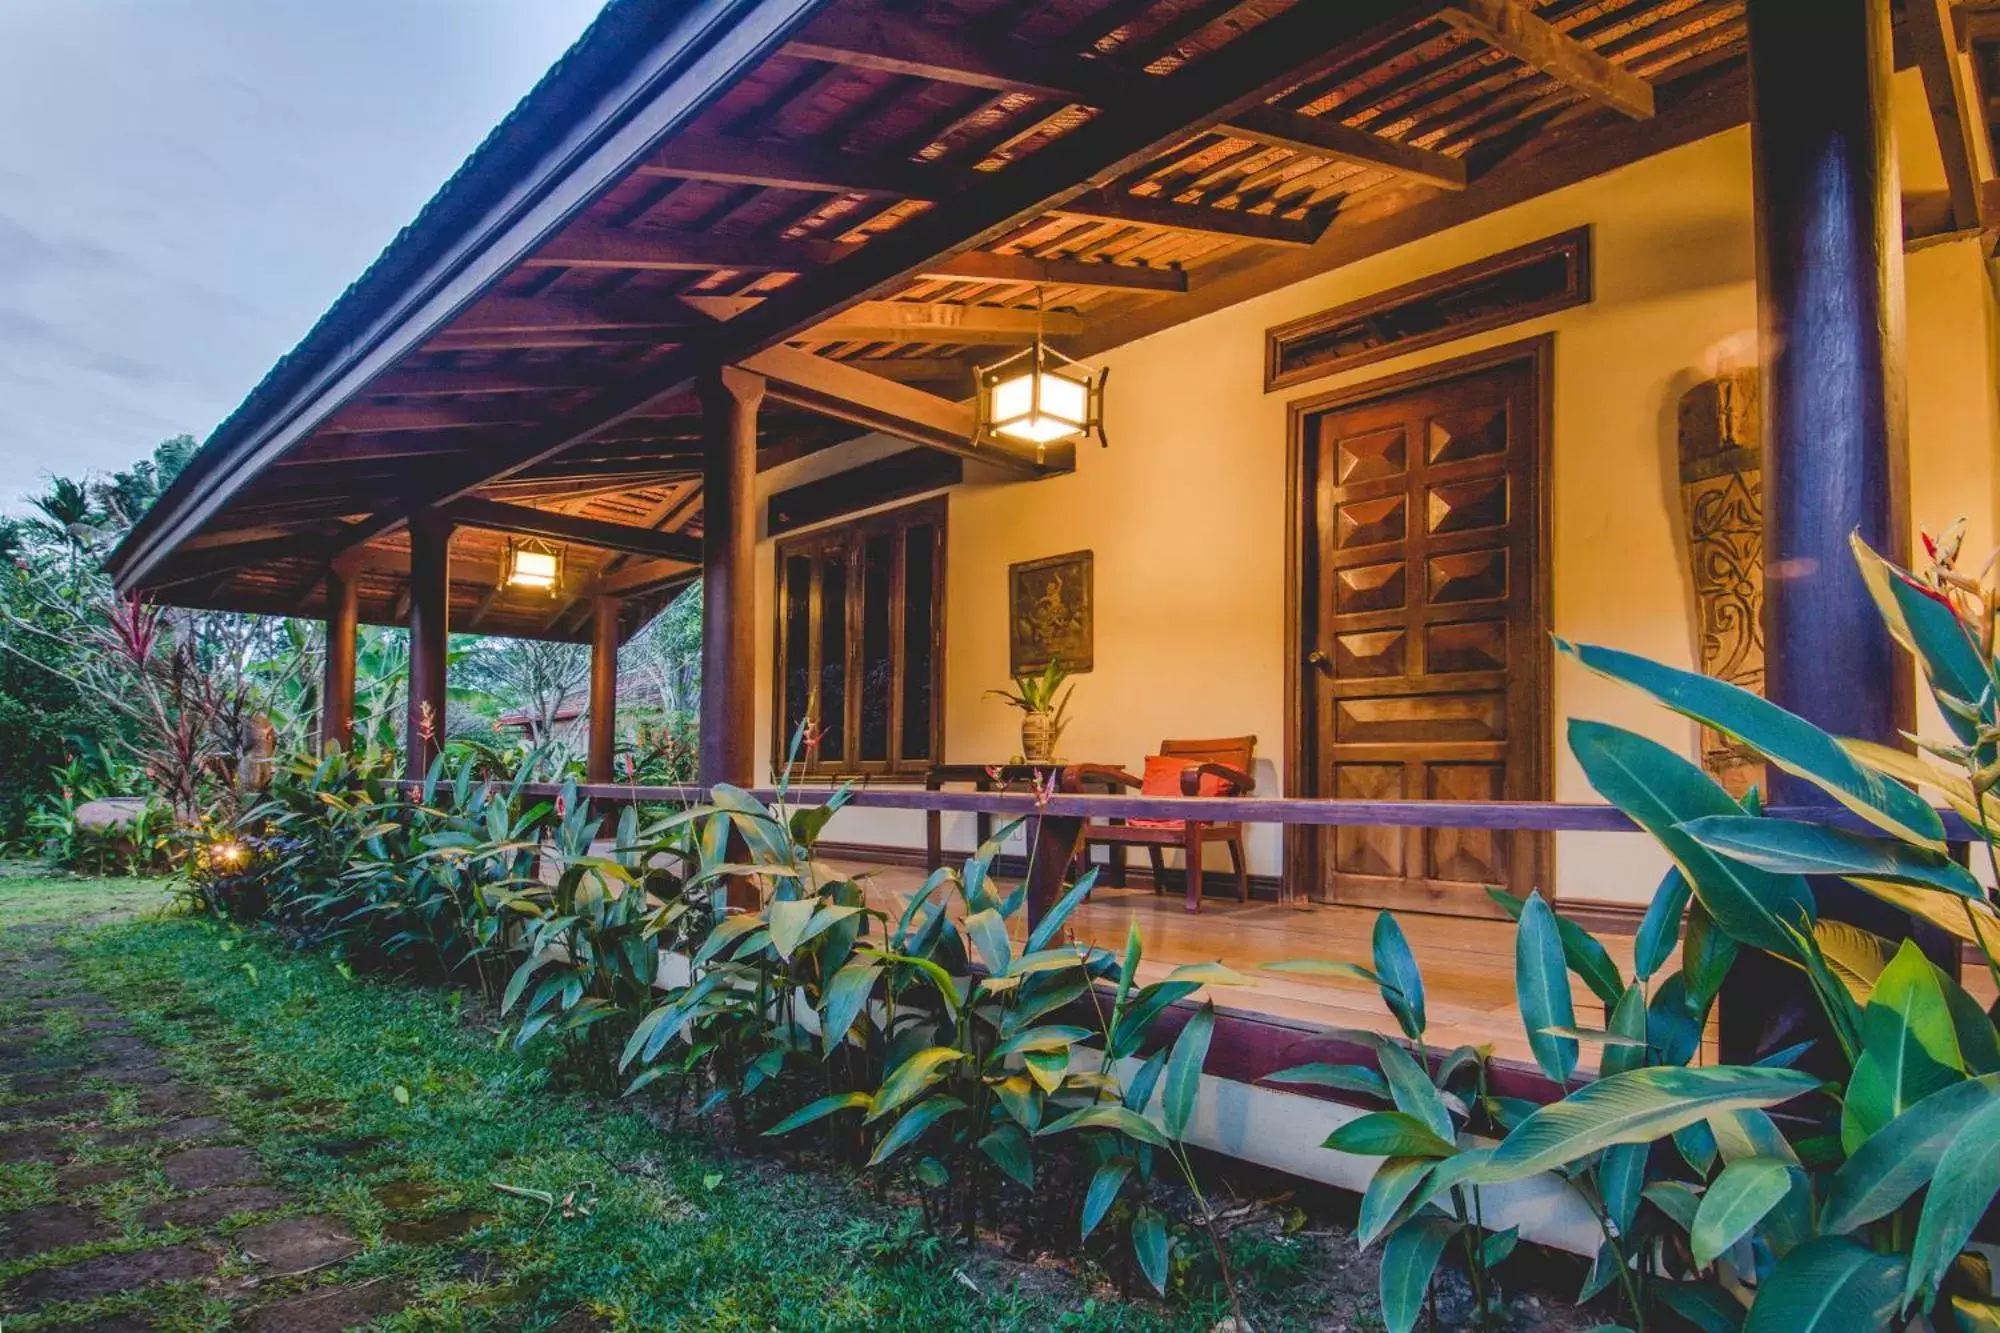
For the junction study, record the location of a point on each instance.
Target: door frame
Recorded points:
(1302, 861)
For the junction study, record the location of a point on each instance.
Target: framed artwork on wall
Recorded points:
(1051, 613)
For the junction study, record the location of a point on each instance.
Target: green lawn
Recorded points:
(650, 1229)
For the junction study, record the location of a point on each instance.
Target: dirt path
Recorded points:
(140, 1183)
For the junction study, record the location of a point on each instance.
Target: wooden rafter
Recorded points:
(943, 322)
(1323, 136)
(1509, 26)
(1246, 72)
(1229, 223)
(436, 382)
(838, 390)
(524, 521)
(901, 46)
(1954, 113)
(361, 417)
(592, 245)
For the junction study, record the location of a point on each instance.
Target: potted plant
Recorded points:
(1044, 705)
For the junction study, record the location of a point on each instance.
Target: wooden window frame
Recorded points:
(851, 537)
(1572, 247)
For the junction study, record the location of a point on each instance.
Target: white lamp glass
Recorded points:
(532, 568)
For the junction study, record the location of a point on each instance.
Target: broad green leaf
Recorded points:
(1828, 1285)
(1676, 1198)
(846, 995)
(910, 1078)
(1787, 847)
(1909, 1047)
(1052, 922)
(1108, 1116)
(1541, 986)
(1660, 928)
(1047, 1068)
(1704, 1305)
(1182, 1083)
(1016, 1094)
(1324, 967)
(1975, 1316)
(1401, 983)
(1903, 1156)
(1008, 1148)
(1389, 1134)
(1637, 1106)
(1855, 956)
(1787, 740)
(1707, 954)
(988, 934)
(1341, 1078)
(1920, 772)
(1109, 1179)
(1499, 1246)
(1959, 1196)
(1978, 1042)
(910, 1126)
(819, 1110)
(1931, 632)
(1388, 1190)
(1974, 922)
(1149, 1246)
(1412, 1090)
(1735, 1203)
(1208, 974)
(1581, 951)
(1408, 1260)
(1453, 1172)
(1627, 1025)
(1053, 1038)
(1661, 791)
(1621, 1174)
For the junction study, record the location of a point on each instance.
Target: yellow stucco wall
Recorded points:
(1186, 510)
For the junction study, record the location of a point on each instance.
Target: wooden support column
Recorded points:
(1830, 290)
(430, 628)
(730, 398)
(343, 618)
(603, 687)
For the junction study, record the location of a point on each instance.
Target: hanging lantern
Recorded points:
(1039, 396)
(532, 563)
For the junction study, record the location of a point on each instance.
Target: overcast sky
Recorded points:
(185, 185)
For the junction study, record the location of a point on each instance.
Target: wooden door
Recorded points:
(1424, 627)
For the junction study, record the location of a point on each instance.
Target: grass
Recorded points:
(603, 1212)
(32, 897)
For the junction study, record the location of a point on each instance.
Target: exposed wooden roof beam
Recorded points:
(903, 46)
(1509, 26)
(591, 245)
(536, 378)
(1247, 72)
(895, 45)
(1323, 136)
(1954, 112)
(648, 575)
(916, 369)
(508, 340)
(988, 266)
(838, 390)
(943, 322)
(1154, 211)
(915, 321)
(360, 417)
(497, 517)
(569, 310)
(735, 161)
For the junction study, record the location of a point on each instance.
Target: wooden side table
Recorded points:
(993, 777)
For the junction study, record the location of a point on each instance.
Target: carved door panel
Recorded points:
(1427, 634)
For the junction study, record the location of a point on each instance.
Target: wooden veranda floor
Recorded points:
(1468, 964)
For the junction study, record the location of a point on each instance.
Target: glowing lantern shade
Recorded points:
(533, 564)
(1039, 396)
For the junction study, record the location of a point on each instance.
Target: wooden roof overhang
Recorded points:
(859, 199)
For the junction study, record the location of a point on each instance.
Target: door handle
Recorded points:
(1321, 660)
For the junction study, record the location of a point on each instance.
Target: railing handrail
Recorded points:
(1324, 812)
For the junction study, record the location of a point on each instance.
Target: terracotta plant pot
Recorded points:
(1038, 737)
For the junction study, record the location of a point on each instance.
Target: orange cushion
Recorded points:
(1163, 778)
